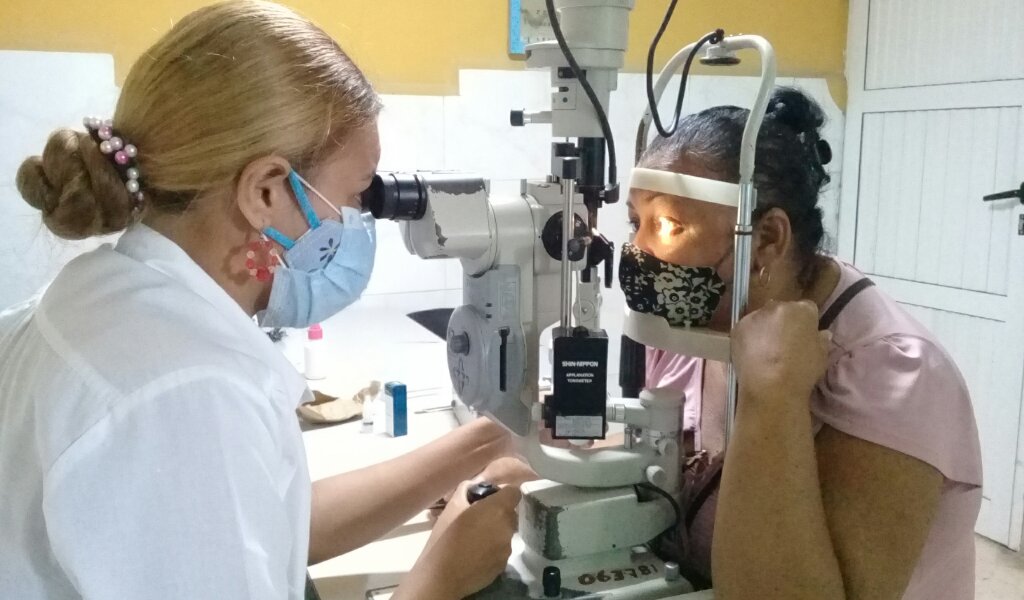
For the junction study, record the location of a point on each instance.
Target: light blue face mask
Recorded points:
(325, 270)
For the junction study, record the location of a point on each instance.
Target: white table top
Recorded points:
(342, 448)
(363, 344)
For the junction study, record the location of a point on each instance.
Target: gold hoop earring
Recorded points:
(764, 277)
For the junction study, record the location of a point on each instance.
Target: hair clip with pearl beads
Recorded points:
(121, 154)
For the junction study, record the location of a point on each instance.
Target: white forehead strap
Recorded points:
(687, 186)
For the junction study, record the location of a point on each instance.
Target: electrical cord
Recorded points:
(675, 505)
(714, 37)
(602, 117)
(650, 74)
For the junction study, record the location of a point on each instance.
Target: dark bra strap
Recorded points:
(712, 477)
(837, 307)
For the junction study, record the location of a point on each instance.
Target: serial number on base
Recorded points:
(604, 576)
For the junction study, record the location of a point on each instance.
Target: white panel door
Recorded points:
(933, 125)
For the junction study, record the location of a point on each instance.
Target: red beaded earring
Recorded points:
(264, 249)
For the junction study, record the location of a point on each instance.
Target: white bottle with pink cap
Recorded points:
(316, 353)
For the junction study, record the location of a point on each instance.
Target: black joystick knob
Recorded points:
(552, 581)
(517, 118)
(479, 491)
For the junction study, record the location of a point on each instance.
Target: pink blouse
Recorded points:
(889, 382)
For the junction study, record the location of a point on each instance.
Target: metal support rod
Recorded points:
(741, 288)
(568, 229)
(748, 199)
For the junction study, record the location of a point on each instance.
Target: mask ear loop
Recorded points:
(315, 191)
(304, 203)
(725, 256)
(286, 242)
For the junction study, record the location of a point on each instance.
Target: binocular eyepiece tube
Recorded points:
(406, 196)
(396, 196)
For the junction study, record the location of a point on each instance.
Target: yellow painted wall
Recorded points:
(418, 46)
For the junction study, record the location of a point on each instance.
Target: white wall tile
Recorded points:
(412, 133)
(478, 136)
(47, 90)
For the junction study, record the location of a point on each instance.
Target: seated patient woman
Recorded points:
(854, 470)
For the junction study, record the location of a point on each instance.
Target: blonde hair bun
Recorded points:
(75, 187)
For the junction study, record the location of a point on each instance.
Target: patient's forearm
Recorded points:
(771, 536)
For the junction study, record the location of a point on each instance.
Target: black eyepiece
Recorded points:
(396, 196)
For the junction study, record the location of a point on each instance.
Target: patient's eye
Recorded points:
(668, 227)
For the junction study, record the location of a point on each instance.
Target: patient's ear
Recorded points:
(773, 240)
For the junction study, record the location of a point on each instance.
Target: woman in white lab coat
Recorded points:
(149, 446)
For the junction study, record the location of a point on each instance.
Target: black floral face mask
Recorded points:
(683, 296)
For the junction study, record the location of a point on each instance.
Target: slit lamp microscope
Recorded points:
(586, 529)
